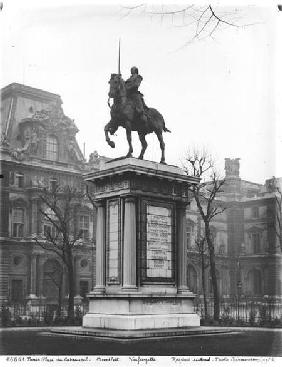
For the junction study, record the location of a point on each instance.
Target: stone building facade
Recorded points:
(248, 253)
(39, 150)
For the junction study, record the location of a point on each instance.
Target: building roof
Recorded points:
(25, 89)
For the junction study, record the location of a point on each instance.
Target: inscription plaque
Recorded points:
(113, 244)
(159, 242)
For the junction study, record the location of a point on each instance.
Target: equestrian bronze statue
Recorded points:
(130, 112)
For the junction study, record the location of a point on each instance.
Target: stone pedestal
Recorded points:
(141, 256)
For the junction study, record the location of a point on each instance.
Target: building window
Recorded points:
(16, 179)
(52, 148)
(84, 226)
(18, 222)
(83, 288)
(256, 243)
(221, 249)
(255, 212)
(17, 291)
(49, 230)
(53, 184)
(19, 180)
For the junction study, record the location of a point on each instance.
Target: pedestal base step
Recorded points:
(127, 335)
(140, 322)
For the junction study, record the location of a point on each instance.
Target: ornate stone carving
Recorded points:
(54, 118)
(30, 145)
(94, 158)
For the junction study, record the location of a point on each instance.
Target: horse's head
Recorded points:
(116, 86)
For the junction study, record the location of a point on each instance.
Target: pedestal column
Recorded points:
(182, 251)
(129, 245)
(100, 248)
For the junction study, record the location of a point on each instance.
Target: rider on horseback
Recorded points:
(132, 84)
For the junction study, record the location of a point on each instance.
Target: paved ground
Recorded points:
(245, 342)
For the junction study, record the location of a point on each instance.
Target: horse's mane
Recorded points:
(122, 82)
(116, 75)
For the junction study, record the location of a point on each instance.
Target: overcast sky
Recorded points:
(221, 92)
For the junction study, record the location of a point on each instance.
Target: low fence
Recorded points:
(245, 310)
(43, 314)
(232, 311)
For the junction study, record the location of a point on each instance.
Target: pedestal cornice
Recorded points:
(139, 167)
(136, 177)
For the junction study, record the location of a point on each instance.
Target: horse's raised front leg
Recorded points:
(108, 140)
(128, 136)
(144, 144)
(162, 145)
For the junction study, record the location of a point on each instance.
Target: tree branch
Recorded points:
(206, 19)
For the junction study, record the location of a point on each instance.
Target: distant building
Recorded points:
(39, 149)
(248, 254)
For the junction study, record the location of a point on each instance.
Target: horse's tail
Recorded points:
(166, 130)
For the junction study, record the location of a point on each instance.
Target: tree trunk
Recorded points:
(60, 294)
(213, 274)
(204, 284)
(71, 288)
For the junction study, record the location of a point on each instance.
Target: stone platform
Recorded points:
(140, 311)
(129, 335)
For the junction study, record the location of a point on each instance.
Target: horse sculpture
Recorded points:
(123, 113)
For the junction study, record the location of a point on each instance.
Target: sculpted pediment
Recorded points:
(52, 119)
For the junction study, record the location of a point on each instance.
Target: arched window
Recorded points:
(52, 148)
(192, 278)
(18, 222)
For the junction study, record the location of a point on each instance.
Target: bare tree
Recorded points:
(202, 21)
(201, 165)
(61, 236)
